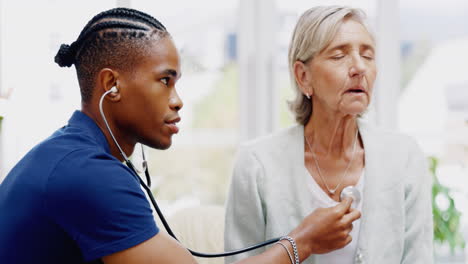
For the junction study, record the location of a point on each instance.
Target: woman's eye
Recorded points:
(338, 57)
(368, 56)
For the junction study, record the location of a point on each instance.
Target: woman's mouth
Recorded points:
(356, 90)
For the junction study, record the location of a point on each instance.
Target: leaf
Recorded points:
(446, 223)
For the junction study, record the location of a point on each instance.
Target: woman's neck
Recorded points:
(331, 134)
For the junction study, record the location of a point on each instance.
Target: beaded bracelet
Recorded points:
(294, 247)
(287, 251)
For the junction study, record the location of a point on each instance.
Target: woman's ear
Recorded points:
(107, 80)
(303, 77)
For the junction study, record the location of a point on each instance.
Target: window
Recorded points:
(196, 168)
(43, 94)
(433, 103)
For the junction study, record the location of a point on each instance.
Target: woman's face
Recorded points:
(342, 75)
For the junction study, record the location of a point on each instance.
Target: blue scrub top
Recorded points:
(70, 201)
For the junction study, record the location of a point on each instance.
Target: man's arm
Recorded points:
(324, 230)
(163, 249)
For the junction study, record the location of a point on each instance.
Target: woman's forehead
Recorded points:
(351, 33)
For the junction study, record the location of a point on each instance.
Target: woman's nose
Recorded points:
(357, 67)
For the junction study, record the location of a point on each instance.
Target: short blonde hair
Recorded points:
(314, 31)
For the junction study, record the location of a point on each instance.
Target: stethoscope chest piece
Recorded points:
(353, 192)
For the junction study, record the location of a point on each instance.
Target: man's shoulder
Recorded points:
(42, 160)
(73, 159)
(59, 148)
(87, 165)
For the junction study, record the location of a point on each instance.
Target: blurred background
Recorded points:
(235, 86)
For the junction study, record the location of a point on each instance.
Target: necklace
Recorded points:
(332, 191)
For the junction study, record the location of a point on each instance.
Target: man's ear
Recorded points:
(303, 77)
(106, 79)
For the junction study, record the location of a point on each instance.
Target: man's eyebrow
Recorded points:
(171, 72)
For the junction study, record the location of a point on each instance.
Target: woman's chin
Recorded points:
(354, 109)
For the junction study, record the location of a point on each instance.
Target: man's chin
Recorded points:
(162, 145)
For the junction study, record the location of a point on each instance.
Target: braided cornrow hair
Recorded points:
(114, 38)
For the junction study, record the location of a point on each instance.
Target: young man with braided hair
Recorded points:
(72, 200)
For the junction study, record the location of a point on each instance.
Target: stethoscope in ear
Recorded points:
(147, 185)
(347, 191)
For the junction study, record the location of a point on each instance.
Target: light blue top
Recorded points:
(269, 196)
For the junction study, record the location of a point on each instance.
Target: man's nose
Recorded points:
(175, 102)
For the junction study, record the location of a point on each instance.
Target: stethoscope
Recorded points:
(350, 191)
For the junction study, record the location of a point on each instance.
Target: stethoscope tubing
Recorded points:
(169, 230)
(155, 204)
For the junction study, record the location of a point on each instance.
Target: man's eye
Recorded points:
(165, 80)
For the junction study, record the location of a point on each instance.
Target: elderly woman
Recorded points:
(280, 179)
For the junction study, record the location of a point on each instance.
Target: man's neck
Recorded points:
(127, 146)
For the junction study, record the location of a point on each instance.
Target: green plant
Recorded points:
(447, 218)
(1, 119)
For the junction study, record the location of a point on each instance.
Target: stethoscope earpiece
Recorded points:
(114, 89)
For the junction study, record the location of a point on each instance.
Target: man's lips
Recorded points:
(172, 125)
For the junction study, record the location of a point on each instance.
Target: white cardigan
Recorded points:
(269, 193)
